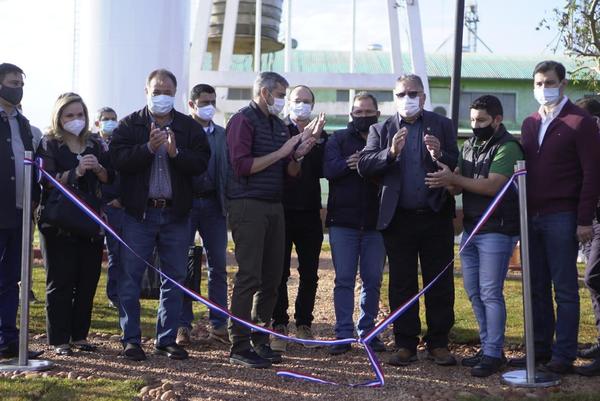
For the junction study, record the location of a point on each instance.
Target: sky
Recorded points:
(38, 35)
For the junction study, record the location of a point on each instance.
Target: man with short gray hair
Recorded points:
(261, 153)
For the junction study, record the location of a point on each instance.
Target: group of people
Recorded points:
(161, 177)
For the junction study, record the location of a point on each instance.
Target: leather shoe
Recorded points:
(172, 351)
(265, 351)
(487, 366)
(558, 367)
(377, 345)
(249, 358)
(522, 361)
(403, 357)
(592, 352)
(339, 349)
(471, 361)
(441, 356)
(593, 369)
(12, 351)
(133, 352)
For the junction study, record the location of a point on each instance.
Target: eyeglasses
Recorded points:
(411, 94)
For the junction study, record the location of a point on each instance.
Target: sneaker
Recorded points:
(558, 367)
(84, 345)
(183, 336)
(441, 356)
(403, 357)
(522, 361)
(265, 352)
(471, 361)
(377, 345)
(592, 352)
(339, 349)
(304, 332)
(172, 351)
(487, 366)
(219, 334)
(278, 344)
(133, 352)
(249, 358)
(63, 349)
(593, 369)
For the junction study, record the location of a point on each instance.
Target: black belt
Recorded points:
(159, 203)
(419, 211)
(205, 195)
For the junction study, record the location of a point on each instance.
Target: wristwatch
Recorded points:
(298, 160)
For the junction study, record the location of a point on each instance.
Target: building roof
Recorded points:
(475, 65)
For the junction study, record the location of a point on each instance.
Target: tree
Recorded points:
(579, 32)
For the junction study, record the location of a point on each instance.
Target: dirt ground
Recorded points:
(207, 375)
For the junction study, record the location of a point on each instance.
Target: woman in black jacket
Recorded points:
(76, 159)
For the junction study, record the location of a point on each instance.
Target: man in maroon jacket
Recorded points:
(562, 150)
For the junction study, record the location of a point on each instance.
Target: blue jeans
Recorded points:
(10, 274)
(114, 216)
(484, 264)
(207, 218)
(349, 249)
(170, 237)
(553, 247)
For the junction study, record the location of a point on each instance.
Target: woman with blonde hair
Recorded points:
(75, 158)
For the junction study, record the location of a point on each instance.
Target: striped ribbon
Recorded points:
(364, 342)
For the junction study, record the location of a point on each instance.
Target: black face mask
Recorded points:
(362, 124)
(484, 133)
(11, 95)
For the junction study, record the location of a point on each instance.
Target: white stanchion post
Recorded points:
(23, 363)
(528, 377)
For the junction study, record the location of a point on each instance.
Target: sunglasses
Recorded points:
(411, 94)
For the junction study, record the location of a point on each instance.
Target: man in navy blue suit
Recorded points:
(416, 221)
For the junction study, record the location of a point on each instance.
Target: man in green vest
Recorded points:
(485, 164)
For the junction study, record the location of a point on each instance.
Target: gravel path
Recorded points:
(207, 375)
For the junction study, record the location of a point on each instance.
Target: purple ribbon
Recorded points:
(364, 342)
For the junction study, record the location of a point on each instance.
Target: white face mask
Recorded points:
(300, 111)
(206, 113)
(277, 106)
(161, 104)
(75, 127)
(546, 96)
(408, 107)
(108, 126)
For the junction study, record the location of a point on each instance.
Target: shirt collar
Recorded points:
(210, 129)
(555, 111)
(14, 113)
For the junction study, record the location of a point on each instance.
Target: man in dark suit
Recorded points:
(416, 221)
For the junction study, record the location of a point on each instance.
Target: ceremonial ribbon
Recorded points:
(364, 342)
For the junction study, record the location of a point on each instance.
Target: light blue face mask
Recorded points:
(108, 126)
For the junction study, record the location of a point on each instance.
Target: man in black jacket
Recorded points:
(156, 151)
(15, 139)
(303, 226)
(416, 221)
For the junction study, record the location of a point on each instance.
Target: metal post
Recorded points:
(528, 377)
(456, 69)
(22, 363)
(352, 91)
(257, 35)
(287, 50)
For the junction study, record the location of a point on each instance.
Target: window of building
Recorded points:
(508, 100)
(342, 95)
(239, 94)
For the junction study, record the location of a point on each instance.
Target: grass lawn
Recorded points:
(55, 389)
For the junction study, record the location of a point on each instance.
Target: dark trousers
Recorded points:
(553, 250)
(592, 274)
(10, 274)
(428, 239)
(258, 230)
(73, 270)
(303, 228)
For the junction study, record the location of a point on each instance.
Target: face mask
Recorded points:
(11, 95)
(108, 126)
(206, 113)
(277, 106)
(546, 96)
(161, 104)
(362, 124)
(75, 127)
(484, 133)
(408, 107)
(300, 111)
